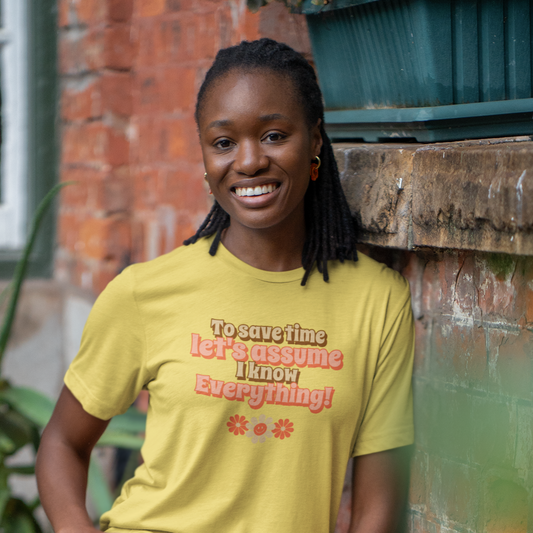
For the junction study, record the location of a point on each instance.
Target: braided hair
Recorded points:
(330, 228)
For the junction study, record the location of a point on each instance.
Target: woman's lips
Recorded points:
(259, 190)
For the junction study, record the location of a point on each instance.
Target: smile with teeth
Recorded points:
(256, 191)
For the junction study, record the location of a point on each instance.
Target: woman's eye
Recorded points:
(274, 137)
(223, 144)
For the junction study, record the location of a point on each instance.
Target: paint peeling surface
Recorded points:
(472, 463)
(475, 195)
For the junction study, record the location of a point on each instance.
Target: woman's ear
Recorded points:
(316, 138)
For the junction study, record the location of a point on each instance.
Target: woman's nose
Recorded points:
(250, 158)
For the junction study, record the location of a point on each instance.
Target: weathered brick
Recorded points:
(82, 99)
(146, 182)
(80, 195)
(186, 225)
(118, 148)
(529, 302)
(175, 44)
(117, 93)
(455, 492)
(423, 328)
(418, 495)
(63, 13)
(276, 23)
(182, 189)
(94, 143)
(105, 238)
(175, 6)
(120, 10)
(146, 143)
(459, 354)
(147, 92)
(84, 143)
(69, 226)
(90, 11)
(178, 88)
(496, 290)
(115, 191)
(493, 426)
(150, 44)
(95, 46)
(151, 8)
(119, 47)
(511, 362)
(137, 240)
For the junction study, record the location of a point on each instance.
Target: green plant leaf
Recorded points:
(5, 494)
(22, 265)
(121, 440)
(16, 428)
(7, 446)
(5, 292)
(18, 518)
(32, 404)
(24, 470)
(132, 421)
(98, 489)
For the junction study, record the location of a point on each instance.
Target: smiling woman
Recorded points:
(259, 138)
(263, 378)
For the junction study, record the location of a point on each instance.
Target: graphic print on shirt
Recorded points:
(267, 371)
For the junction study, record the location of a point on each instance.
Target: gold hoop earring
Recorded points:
(314, 168)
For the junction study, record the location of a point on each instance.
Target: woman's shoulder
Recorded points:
(191, 257)
(368, 275)
(178, 266)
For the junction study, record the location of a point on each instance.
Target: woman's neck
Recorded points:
(272, 249)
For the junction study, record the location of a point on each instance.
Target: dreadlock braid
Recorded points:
(330, 228)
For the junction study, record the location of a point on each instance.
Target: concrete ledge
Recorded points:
(475, 195)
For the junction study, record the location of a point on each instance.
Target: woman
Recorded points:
(271, 352)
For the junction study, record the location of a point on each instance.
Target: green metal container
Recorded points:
(428, 70)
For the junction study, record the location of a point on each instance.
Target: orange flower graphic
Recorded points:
(237, 425)
(282, 429)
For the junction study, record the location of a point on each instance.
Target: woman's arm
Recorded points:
(63, 462)
(379, 491)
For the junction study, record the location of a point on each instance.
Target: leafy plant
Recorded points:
(24, 412)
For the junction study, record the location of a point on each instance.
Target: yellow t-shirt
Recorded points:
(260, 389)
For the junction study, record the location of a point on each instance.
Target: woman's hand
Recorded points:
(63, 462)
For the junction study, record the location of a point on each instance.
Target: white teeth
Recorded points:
(255, 191)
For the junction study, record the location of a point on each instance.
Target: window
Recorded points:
(28, 148)
(14, 132)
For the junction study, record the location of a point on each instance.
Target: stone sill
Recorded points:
(474, 195)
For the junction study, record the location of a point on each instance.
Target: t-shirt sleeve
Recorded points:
(388, 418)
(110, 368)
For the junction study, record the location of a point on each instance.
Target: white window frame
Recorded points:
(14, 61)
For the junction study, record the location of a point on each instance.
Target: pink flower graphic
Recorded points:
(283, 428)
(237, 425)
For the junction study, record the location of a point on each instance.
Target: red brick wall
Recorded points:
(130, 72)
(473, 393)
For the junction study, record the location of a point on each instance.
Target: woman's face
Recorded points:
(257, 149)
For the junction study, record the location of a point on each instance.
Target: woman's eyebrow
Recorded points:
(220, 123)
(273, 116)
(263, 118)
